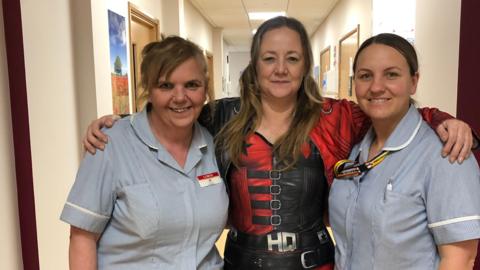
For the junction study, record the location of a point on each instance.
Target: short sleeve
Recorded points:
(91, 199)
(453, 201)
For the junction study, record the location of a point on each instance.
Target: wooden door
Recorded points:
(348, 46)
(143, 30)
(324, 67)
(211, 88)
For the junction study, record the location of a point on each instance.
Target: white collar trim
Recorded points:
(414, 133)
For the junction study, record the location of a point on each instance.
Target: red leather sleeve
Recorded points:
(359, 121)
(433, 116)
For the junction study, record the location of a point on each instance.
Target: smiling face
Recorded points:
(178, 100)
(383, 83)
(280, 66)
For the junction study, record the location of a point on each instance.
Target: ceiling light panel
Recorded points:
(263, 16)
(311, 9)
(265, 5)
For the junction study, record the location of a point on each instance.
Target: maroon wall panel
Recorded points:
(21, 134)
(468, 100)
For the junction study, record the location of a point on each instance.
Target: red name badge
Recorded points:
(209, 179)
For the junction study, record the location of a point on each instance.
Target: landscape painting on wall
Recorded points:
(118, 63)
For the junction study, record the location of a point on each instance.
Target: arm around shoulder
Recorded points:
(349, 111)
(218, 112)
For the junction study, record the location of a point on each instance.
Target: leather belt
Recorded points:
(274, 204)
(280, 241)
(276, 220)
(273, 174)
(237, 256)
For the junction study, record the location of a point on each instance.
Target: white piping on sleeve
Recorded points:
(453, 220)
(85, 210)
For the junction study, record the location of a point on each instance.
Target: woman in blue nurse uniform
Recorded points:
(153, 199)
(396, 204)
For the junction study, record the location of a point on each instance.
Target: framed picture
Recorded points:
(118, 63)
(324, 67)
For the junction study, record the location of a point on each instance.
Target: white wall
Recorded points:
(153, 8)
(344, 17)
(217, 48)
(197, 29)
(238, 61)
(50, 74)
(226, 70)
(437, 41)
(10, 249)
(84, 64)
(102, 78)
(171, 17)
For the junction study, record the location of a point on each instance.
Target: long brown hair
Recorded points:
(306, 114)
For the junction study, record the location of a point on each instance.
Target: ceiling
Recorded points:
(232, 16)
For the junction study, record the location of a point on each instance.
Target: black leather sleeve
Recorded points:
(217, 113)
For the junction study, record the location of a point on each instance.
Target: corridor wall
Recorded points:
(436, 39)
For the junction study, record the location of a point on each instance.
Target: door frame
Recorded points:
(135, 14)
(209, 59)
(350, 94)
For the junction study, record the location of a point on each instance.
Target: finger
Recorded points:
(464, 154)
(92, 138)
(95, 142)
(88, 147)
(447, 147)
(467, 147)
(109, 120)
(98, 135)
(457, 147)
(442, 132)
(452, 138)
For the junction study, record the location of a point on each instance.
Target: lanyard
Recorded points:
(346, 168)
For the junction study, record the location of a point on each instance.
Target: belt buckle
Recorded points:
(286, 241)
(274, 174)
(304, 263)
(273, 218)
(275, 189)
(275, 204)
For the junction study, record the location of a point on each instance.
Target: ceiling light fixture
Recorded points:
(263, 16)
